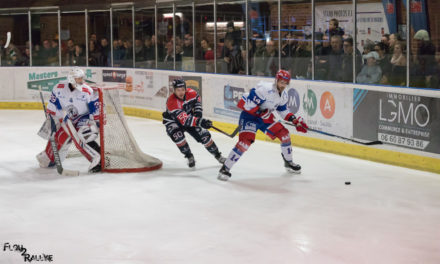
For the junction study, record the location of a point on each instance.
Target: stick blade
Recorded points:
(70, 173)
(377, 142)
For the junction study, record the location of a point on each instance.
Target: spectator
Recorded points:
(347, 61)
(79, 56)
(234, 61)
(424, 72)
(258, 60)
(386, 39)
(394, 38)
(398, 65)
(208, 55)
(105, 50)
(335, 59)
(301, 59)
(128, 56)
(233, 33)
(47, 55)
(334, 29)
(118, 53)
(188, 53)
(323, 50)
(150, 52)
(139, 50)
(383, 61)
(288, 51)
(95, 55)
(70, 49)
(371, 72)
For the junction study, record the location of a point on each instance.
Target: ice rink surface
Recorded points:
(178, 215)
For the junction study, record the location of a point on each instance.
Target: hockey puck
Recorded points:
(347, 183)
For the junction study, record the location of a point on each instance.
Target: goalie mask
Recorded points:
(76, 77)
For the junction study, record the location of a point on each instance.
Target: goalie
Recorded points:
(184, 114)
(75, 108)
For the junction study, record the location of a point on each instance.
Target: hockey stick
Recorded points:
(377, 142)
(53, 144)
(224, 133)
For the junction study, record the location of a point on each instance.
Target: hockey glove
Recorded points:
(300, 125)
(205, 123)
(197, 114)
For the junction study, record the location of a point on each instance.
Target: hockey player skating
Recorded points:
(184, 114)
(75, 108)
(258, 106)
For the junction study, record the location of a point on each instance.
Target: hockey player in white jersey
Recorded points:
(75, 108)
(258, 106)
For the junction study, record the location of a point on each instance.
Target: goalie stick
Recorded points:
(377, 142)
(224, 133)
(53, 144)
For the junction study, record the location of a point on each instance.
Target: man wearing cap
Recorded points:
(371, 72)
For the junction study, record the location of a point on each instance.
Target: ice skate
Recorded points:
(191, 160)
(224, 174)
(291, 166)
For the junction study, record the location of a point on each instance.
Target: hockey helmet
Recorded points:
(75, 73)
(178, 83)
(283, 75)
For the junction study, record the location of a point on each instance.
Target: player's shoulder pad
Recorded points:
(86, 89)
(172, 103)
(62, 85)
(190, 94)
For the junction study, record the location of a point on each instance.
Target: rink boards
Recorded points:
(408, 120)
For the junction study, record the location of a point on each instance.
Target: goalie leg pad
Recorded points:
(88, 151)
(46, 157)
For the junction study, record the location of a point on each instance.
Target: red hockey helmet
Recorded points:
(283, 75)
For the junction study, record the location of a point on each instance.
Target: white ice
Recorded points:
(177, 215)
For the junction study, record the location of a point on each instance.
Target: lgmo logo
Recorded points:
(27, 257)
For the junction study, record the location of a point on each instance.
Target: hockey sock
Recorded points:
(286, 150)
(212, 147)
(233, 157)
(184, 147)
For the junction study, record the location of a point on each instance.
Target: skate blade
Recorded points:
(222, 177)
(293, 171)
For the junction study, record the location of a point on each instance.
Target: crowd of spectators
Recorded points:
(381, 62)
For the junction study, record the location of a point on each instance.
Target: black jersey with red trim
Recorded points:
(186, 112)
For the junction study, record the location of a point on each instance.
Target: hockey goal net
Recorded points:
(119, 150)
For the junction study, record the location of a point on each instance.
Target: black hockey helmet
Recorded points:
(178, 83)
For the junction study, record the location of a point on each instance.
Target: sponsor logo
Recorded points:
(42, 76)
(114, 76)
(327, 105)
(293, 101)
(231, 96)
(309, 102)
(404, 109)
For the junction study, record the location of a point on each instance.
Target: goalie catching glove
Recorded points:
(299, 123)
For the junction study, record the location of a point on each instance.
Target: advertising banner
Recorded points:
(323, 106)
(409, 121)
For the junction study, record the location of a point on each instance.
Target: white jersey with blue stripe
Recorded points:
(265, 95)
(80, 102)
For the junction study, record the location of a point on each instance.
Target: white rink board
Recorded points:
(150, 89)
